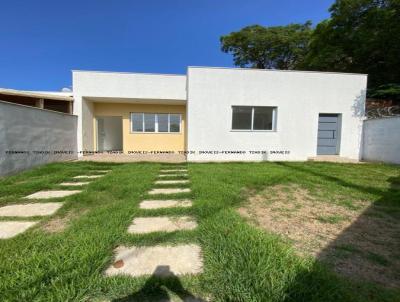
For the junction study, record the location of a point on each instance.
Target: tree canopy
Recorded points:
(361, 36)
(279, 47)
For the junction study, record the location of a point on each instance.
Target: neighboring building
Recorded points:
(222, 113)
(55, 101)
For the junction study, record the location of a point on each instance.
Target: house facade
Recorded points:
(222, 114)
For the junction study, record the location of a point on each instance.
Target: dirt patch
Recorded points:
(59, 224)
(359, 242)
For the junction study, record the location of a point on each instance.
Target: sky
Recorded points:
(43, 40)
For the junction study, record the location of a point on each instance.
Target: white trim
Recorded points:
(131, 131)
(274, 119)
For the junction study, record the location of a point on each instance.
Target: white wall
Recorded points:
(382, 140)
(118, 86)
(299, 96)
(30, 129)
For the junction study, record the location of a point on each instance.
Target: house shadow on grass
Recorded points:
(157, 288)
(367, 251)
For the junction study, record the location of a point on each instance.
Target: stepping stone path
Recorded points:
(52, 194)
(170, 175)
(9, 229)
(143, 225)
(30, 209)
(165, 203)
(75, 184)
(87, 176)
(173, 170)
(169, 191)
(160, 260)
(171, 182)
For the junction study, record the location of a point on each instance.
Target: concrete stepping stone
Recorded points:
(87, 176)
(30, 209)
(169, 175)
(75, 184)
(178, 181)
(168, 203)
(169, 191)
(9, 229)
(52, 194)
(161, 261)
(173, 170)
(144, 225)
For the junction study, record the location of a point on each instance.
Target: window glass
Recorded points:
(174, 122)
(137, 122)
(263, 118)
(162, 122)
(149, 122)
(241, 118)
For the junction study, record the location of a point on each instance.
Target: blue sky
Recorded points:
(43, 40)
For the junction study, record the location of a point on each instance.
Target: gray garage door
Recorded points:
(328, 134)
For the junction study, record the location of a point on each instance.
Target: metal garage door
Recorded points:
(328, 134)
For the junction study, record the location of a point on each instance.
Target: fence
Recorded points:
(381, 140)
(30, 136)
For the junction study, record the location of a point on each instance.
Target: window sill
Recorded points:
(255, 131)
(155, 133)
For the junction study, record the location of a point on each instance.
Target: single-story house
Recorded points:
(222, 114)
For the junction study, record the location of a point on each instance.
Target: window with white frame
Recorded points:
(156, 122)
(253, 118)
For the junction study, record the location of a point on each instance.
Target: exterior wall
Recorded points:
(382, 140)
(299, 97)
(31, 129)
(117, 87)
(144, 141)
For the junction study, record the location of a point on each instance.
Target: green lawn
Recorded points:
(241, 262)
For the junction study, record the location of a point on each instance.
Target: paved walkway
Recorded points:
(11, 228)
(161, 260)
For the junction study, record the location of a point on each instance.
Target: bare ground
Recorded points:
(361, 242)
(59, 224)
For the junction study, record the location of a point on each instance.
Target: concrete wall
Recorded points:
(119, 88)
(299, 98)
(29, 129)
(382, 140)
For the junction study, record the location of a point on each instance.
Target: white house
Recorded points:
(222, 114)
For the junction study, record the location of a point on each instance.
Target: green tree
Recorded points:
(281, 47)
(361, 36)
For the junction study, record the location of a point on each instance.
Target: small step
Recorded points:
(169, 191)
(52, 194)
(30, 209)
(144, 225)
(167, 203)
(160, 261)
(167, 182)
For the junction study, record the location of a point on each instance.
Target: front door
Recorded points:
(328, 134)
(109, 133)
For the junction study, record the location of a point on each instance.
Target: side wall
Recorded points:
(37, 133)
(299, 98)
(382, 140)
(144, 141)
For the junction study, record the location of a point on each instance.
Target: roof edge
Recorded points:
(277, 70)
(127, 72)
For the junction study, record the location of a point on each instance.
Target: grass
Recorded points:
(241, 263)
(331, 219)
